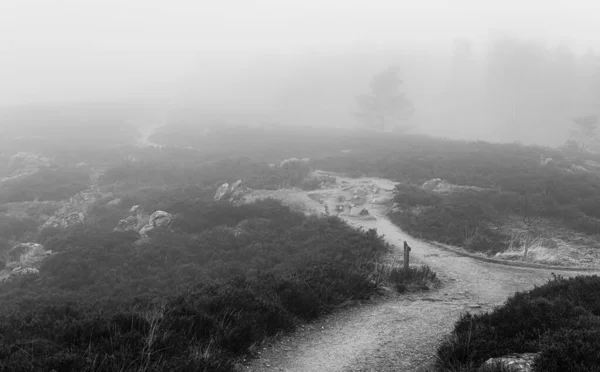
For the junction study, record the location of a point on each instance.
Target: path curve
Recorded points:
(398, 332)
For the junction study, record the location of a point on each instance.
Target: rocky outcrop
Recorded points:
(73, 211)
(144, 224)
(135, 209)
(293, 160)
(514, 363)
(116, 201)
(23, 250)
(24, 259)
(221, 191)
(27, 162)
(64, 219)
(158, 220)
(444, 187)
(232, 193)
(128, 224)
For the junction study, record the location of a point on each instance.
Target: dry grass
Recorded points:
(548, 243)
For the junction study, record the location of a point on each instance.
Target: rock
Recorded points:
(288, 161)
(25, 161)
(431, 184)
(592, 163)
(116, 201)
(24, 249)
(128, 224)
(238, 194)
(514, 363)
(135, 209)
(545, 161)
(25, 271)
(235, 185)
(64, 219)
(158, 219)
(579, 168)
(364, 212)
(221, 191)
(442, 186)
(24, 260)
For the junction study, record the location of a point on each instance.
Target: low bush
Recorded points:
(15, 228)
(194, 298)
(45, 184)
(559, 319)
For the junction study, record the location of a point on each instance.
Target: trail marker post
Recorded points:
(406, 256)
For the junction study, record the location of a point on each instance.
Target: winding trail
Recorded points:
(397, 332)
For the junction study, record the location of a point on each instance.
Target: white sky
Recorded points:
(66, 49)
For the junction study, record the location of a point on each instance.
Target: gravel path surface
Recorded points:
(397, 332)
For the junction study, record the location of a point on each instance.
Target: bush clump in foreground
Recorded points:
(559, 320)
(193, 299)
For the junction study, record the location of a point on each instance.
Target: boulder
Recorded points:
(24, 249)
(158, 219)
(431, 184)
(288, 161)
(514, 363)
(21, 271)
(235, 185)
(135, 209)
(442, 186)
(65, 218)
(24, 259)
(116, 201)
(221, 191)
(128, 224)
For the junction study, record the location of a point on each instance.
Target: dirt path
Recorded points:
(394, 333)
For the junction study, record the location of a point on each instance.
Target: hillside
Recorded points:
(129, 257)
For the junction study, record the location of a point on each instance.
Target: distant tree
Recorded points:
(585, 133)
(385, 105)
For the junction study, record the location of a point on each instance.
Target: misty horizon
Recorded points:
(296, 62)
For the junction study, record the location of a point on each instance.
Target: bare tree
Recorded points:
(585, 134)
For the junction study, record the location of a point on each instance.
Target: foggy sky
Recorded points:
(54, 50)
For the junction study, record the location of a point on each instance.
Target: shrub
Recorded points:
(46, 184)
(570, 350)
(411, 195)
(17, 228)
(195, 297)
(557, 319)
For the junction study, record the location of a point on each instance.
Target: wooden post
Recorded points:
(406, 256)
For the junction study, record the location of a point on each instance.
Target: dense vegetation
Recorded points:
(513, 180)
(49, 183)
(192, 298)
(559, 320)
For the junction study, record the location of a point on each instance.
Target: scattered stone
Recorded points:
(24, 260)
(158, 219)
(128, 224)
(116, 201)
(135, 209)
(235, 185)
(221, 191)
(24, 249)
(514, 363)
